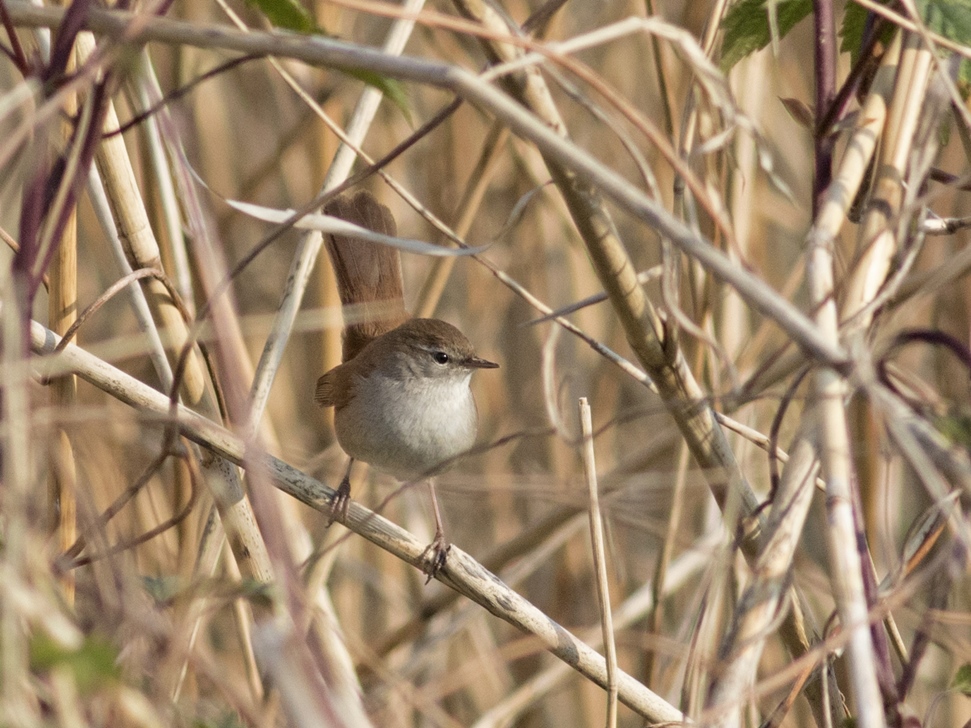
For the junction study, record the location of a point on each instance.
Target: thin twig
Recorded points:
(599, 559)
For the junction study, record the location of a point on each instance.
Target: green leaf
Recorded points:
(962, 679)
(964, 78)
(287, 14)
(956, 427)
(92, 664)
(393, 89)
(748, 27)
(854, 25)
(950, 18)
(851, 32)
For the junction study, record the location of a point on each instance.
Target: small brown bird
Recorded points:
(401, 397)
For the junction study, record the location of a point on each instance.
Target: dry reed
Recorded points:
(776, 263)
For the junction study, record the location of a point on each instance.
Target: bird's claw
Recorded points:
(340, 503)
(434, 556)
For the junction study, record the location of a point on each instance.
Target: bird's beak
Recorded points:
(475, 362)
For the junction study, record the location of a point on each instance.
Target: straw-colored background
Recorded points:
(248, 136)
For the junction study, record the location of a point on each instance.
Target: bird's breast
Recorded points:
(407, 427)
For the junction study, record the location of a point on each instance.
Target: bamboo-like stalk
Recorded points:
(174, 258)
(141, 248)
(139, 302)
(149, 93)
(307, 700)
(878, 242)
(62, 311)
(877, 236)
(758, 606)
(832, 215)
(18, 481)
(882, 239)
(599, 559)
(733, 324)
(461, 572)
(835, 201)
(829, 391)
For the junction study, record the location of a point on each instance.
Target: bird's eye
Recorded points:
(440, 356)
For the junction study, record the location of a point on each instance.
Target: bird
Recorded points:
(401, 396)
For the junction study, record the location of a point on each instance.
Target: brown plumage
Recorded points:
(336, 387)
(368, 275)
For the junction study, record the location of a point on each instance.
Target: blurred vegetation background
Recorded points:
(117, 629)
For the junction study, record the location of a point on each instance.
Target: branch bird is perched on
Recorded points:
(401, 397)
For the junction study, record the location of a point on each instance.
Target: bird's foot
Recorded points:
(434, 556)
(340, 502)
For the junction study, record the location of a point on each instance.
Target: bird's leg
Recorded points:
(342, 498)
(436, 552)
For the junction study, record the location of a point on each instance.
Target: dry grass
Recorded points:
(767, 321)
